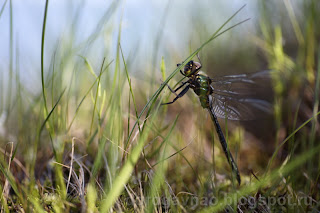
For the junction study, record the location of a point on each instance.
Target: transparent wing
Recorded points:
(242, 97)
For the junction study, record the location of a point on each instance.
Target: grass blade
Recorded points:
(42, 54)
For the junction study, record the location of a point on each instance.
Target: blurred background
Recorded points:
(281, 36)
(172, 27)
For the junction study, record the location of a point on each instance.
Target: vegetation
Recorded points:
(97, 139)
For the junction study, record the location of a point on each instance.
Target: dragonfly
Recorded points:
(234, 97)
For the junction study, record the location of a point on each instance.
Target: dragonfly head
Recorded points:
(191, 68)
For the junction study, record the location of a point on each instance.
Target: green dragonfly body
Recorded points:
(201, 85)
(202, 88)
(235, 97)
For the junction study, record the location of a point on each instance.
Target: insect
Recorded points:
(232, 97)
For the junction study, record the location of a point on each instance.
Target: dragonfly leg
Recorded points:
(182, 84)
(174, 91)
(181, 70)
(171, 90)
(182, 93)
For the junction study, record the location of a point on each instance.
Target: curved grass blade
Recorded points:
(95, 101)
(2, 8)
(11, 180)
(50, 113)
(42, 53)
(130, 87)
(291, 135)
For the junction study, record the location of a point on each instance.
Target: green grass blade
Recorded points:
(130, 87)
(291, 135)
(294, 22)
(42, 55)
(11, 180)
(50, 113)
(2, 8)
(10, 86)
(96, 98)
(158, 39)
(88, 65)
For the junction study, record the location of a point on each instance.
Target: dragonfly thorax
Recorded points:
(201, 86)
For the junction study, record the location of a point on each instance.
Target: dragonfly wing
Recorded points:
(244, 85)
(240, 109)
(246, 78)
(242, 97)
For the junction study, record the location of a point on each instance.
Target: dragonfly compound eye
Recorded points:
(188, 68)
